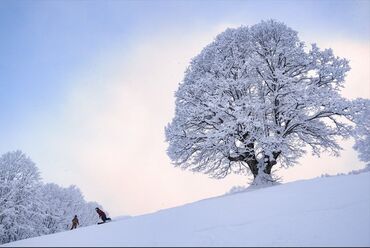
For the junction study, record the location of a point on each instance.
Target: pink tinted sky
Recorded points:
(100, 123)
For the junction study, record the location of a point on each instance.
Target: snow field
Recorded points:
(333, 211)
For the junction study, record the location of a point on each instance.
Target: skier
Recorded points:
(75, 222)
(102, 216)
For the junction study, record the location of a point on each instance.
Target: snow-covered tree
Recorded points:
(29, 208)
(54, 212)
(63, 204)
(20, 215)
(257, 96)
(362, 130)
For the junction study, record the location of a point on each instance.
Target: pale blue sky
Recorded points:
(45, 42)
(63, 62)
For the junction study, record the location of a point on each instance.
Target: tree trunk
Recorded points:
(253, 166)
(268, 165)
(262, 170)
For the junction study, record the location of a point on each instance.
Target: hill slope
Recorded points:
(333, 211)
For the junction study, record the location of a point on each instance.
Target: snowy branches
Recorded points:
(362, 130)
(19, 202)
(29, 208)
(254, 97)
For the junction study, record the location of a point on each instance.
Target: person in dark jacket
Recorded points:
(102, 215)
(75, 222)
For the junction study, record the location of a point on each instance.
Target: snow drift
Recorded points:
(331, 211)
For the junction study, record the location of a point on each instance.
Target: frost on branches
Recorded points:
(63, 204)
(19, 202)
(29, 208)
(362, 130)
(255, 97)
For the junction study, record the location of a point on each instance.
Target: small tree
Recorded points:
(63, 204)
(362, 130)
(255, 97)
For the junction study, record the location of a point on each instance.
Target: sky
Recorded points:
(87, 87)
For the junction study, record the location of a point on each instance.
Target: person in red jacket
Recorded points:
(102, 215)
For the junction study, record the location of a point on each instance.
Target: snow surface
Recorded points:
(330, 211)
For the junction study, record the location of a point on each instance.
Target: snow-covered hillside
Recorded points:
(332, 211)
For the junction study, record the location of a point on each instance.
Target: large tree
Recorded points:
(20, 214)
(257, 96)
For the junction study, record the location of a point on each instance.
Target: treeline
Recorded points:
(30, 208)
